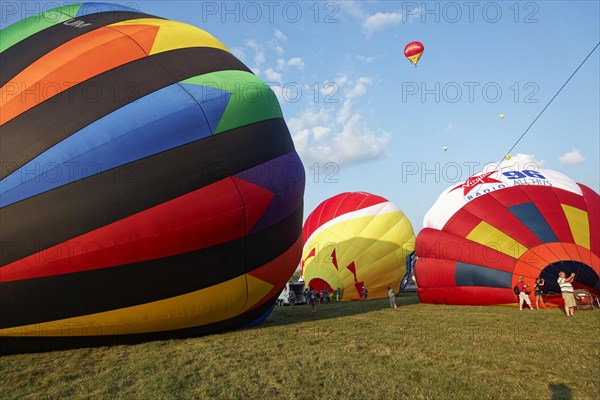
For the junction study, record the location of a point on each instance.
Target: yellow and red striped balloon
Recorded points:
(354, 240)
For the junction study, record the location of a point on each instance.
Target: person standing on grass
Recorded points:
(567, 291)
(537, 290)
(292, 298)
(306, 296)
(312, 296)
(365, 293)
(337, 294)
(326, 294)
(523, 294)
(392, 297)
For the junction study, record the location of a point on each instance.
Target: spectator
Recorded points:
(365, 293)
(523, 293)
(392, 297)
(306, 296)
(337, 294)
(326, 294)
(312, 298)
(567, 292)
(537, 290)
(292, 298)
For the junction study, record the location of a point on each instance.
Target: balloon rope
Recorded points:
(550, 102)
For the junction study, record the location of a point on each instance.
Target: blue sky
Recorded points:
(364, 119)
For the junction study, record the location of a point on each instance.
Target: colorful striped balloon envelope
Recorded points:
(149, 185)
(482, 235)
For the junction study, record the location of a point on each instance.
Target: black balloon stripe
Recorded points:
(41, 127)
(52, 217)
(15, 345)
(81, 293)
(22, 54)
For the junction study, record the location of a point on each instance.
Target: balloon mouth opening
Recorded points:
(585, 276)
(319, 284)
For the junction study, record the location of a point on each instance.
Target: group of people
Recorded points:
(566, 288)
(314, 297)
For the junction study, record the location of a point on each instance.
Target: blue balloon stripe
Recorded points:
(160, 121)
(531, 217)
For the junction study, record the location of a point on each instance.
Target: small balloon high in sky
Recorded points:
(413, 51)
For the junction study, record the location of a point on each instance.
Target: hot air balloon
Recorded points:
(356, 240)
(413, 51)
(501, 116)
(445, 148)
(481, 235)
(143, 195)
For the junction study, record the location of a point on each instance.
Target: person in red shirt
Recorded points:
(523, 293)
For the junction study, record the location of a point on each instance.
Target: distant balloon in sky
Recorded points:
(445, 148)
(483, 234)
(507, 157)
(356, 239)
(501, 116)
(413, 51)
(164, 205)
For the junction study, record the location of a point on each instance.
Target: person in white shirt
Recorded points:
(392, 297)
(567, 292)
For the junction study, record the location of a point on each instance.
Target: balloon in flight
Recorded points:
(414, 51)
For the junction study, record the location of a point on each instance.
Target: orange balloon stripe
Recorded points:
(86, 57)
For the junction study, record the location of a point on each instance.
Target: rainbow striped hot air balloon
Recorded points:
(150, 187)
(354, 240)
(481, 235)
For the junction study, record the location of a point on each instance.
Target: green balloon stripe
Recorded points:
(251, 99)
(29, 26)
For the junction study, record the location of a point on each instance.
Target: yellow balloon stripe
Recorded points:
(491, 237)
(212, 304)
(175, 35)
(579, 224)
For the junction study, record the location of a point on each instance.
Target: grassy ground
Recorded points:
(358, 350)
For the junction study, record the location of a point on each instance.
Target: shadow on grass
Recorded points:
(560, 391)
(285, 315)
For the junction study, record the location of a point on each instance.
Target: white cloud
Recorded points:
(281, 63)
(364, 59)
(280, 35)
(296, 62)
(448, 127)
(346, 139)
(353, 8)
(273, 76)
(519, 160)
(571, 157)
(379, 21)
(360, 87)
(319, 132)
(344, 112)
(259, 52)
(372, 23)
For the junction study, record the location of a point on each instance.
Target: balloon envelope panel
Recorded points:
(356, 239)
(138, 198)
(482, 235)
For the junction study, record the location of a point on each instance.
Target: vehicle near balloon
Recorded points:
(149, 185)
(482, 235)
(355, 240)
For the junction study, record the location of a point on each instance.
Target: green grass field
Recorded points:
(355, 350)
